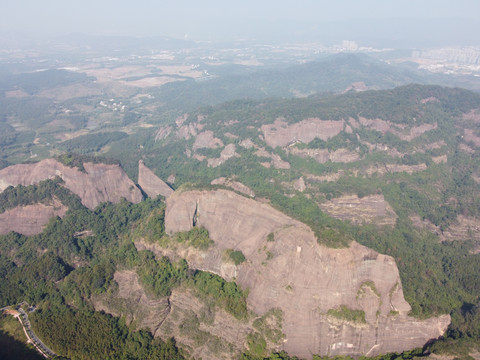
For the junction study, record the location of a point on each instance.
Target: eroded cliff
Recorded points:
(151, 183)
(308, 282)
(99, 182)
(30, 220)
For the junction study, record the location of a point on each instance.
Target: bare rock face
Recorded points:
(221, 336)
(163, 132)
(466, 148)
(299, 185)
(394, 168)
(417, 131)
(281, 134)
(472, 117)
(442, 159)
(181, 119)
(30, 220)
(235, 185)
(471, 137)
(151, 183)
(132, 302)
(356, 86)
(100, 183)
(247, 143)
(323, 155)
(398, 129)
(206, 139)
(463, 228)
(328, 177)
(368, 209)
(409, 169)
(380, 125)
(302, 278)
(278, 163)
(276, 160)
(227, 153)
(186, 132)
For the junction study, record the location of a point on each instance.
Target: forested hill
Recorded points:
(334, 73)
(396, 170)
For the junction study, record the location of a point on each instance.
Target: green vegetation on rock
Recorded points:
(227, 294)
(347, 314)
(197, 237)
(236, 256)
(370, 285)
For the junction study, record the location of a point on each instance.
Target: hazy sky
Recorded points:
(217, 19)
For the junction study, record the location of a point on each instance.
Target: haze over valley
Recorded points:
(254, 181)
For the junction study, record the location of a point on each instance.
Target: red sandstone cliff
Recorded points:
(98, 184)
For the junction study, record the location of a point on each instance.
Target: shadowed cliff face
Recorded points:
(151, 183)
(305, 280)
(100, 183)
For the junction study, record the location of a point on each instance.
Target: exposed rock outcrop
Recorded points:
(132, 302)
(472, 116)
(356, 86)
(206, 139)
(151, 183)
(463, 228)
(368, 209)
(282, 134)
(219, 335)
(393, 168)
(247, 143)
(235, 185)
(328, 177)
(471, 137)
(163, 132)
(186, 132)
(302, 278)
(227, 153)
(299, 184)
(442, 159)
(30, 220)
(378, 124)
(99, 182)
(277, 161)
(400, 130)
(323, 155)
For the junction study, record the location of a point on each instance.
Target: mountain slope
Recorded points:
(307, 282)
(332, 74)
